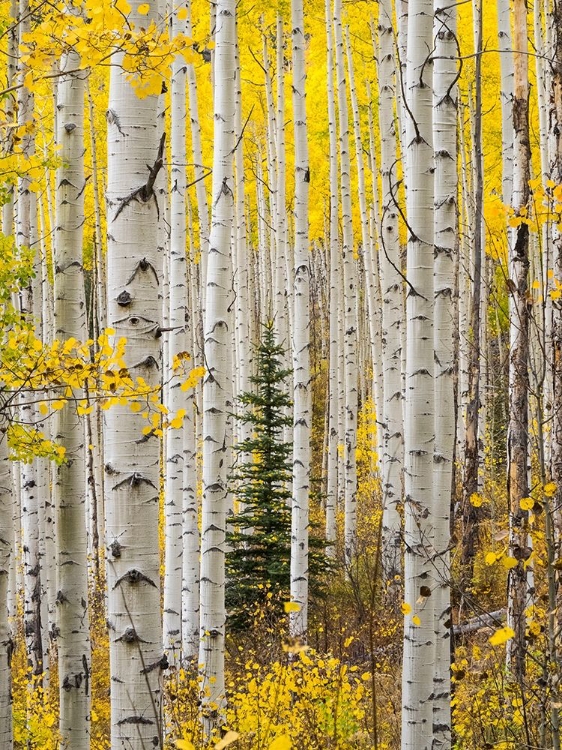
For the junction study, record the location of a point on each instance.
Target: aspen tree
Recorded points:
(73, 636)
(471, 512)
(446, 236)
(26, 236)
(191, 537)
(132, 459)
(6, 552)
(419, 639)
(217, 387)
(335, 281)
(350, 298)
(282, 305)
(519, 346)
(392, 303)
(177, 346)
(506, 96)
(302, 399)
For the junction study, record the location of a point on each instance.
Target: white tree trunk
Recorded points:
(217, 386)
(73, 635)
(392, 304)
(417, 674)
(335, 281)
(177, 343)
(350, 299)
(302, 398)
(6, 551)
(519, 347)
(445, 145)
(132, 459)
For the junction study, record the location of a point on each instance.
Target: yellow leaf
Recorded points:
(291, 607)
(185, 745)
(110, 331)
(134, 406)
(536, 284)
(526, 503)
(406, 608)
(281, 743)
(43, 409)
(144, 9)
(490, 558)
(58, 404)
(182, 14)
(501, 636)
(509, 562)
(227, 740)
(416, 620)
(93, 715)
(476, 500)
(550, 489)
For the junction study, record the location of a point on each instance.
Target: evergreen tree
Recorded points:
(258, 562)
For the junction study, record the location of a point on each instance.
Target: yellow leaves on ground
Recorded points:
(501, 636)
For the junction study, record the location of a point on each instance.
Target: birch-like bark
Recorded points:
(217, 386)
(519, 347)
(350, 299)
(132, 459)
(6, 552)
(392, 304)
(335, 281)
(73, 635)
(177, 345)
(471, 511)
(417, 674)
(446, 238)
(506, 96)
(26, 233)
(302, 395)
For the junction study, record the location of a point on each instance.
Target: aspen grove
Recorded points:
(281, 374)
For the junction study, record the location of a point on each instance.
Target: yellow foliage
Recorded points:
(501, 636)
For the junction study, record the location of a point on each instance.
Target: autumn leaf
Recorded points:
(185, 745)
(501, 636)
(526, 503)
(291, 607)
(476, 500)
(406, 608)
(550, 489)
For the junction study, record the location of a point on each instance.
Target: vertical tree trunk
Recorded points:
(302, 398)
(217, 386)
(73, 635)
(177, 343)
(350, 299)
(471, 511)
(335, 281)
(417, 675)
(519, 346)
(446, 239)
(132, 459)
(392, 307)
(6, 551)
